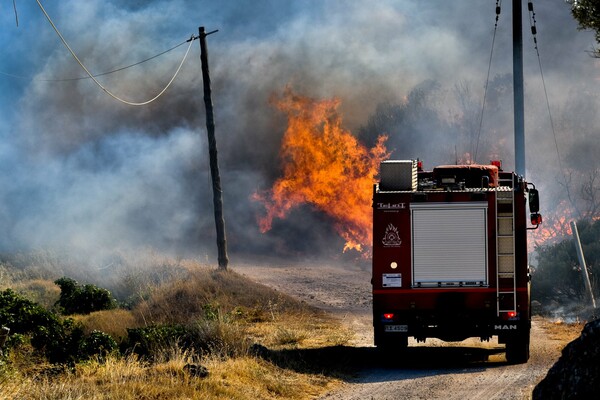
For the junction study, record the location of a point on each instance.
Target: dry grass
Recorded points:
(43, 292)
(129, 379)
(240, 377)
(114, 322)
(560, 330)
(206, 291)
(300, 331)
(224, 306)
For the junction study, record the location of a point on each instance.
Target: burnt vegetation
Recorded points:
(558, 287)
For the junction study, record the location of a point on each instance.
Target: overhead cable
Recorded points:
(533, 23)
(16, 15)
(191, 40)
(487, 79)
(95, 75)
(120, 68)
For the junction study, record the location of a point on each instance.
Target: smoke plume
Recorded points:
(85, 173)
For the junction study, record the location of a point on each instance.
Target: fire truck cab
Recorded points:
(450, 255)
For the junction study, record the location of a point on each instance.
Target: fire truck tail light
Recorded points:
(509, 316)
(388, 316)
(497, 163)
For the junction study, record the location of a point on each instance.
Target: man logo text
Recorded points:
(505, 327)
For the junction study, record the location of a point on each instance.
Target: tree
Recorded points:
(587, 14)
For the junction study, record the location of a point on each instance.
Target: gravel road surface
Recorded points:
(433, 370)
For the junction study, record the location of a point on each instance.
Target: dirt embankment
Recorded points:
(434, 370)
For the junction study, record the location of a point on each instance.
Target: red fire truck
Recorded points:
(450, 255)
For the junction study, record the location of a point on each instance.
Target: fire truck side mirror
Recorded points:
(534, 201)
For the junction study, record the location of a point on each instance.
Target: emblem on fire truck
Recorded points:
(391, 237)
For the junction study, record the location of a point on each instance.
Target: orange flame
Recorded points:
(325, 166)
(555, 227)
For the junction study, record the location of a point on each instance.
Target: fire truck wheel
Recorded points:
(517, 350)
(395, 344)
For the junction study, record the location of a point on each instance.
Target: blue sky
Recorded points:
(79, 170)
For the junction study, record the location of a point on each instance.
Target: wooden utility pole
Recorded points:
(582, 264)
(212, 151)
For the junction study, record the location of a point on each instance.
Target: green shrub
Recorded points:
(98, 344)
(59, 340)
(49, 334)
(82, 299)
(149, 341)
(22, 315)
(214, 336)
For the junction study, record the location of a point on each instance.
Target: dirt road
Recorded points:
(434, 370)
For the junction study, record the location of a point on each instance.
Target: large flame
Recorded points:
(324, 166)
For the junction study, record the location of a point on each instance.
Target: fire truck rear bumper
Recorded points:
(448, 327)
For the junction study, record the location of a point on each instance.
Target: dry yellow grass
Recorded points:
(244, 377)
(129, 379)
(207, 290)
(299, 330)
(41, 291)
(228, 306)
(114, 322)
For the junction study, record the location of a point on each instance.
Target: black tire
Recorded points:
(517, 350)
(394, 343)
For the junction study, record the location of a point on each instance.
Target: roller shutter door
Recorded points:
(449, 244)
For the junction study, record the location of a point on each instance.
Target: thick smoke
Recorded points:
(83, 172)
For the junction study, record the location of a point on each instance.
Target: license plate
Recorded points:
(396, 328)
(392, 280)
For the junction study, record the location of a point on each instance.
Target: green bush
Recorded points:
(59, 340)
(150, 341)
(98, 344)
(82, 299)
(49, 334)
(22, 315)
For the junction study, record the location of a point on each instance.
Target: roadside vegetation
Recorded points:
(157, 328)
(558, 287)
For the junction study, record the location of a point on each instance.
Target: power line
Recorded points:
(533, 23)
(191, 40)
(95, 75)
(16, 15)
(487, 80)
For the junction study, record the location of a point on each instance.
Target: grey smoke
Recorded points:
(83, 172)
